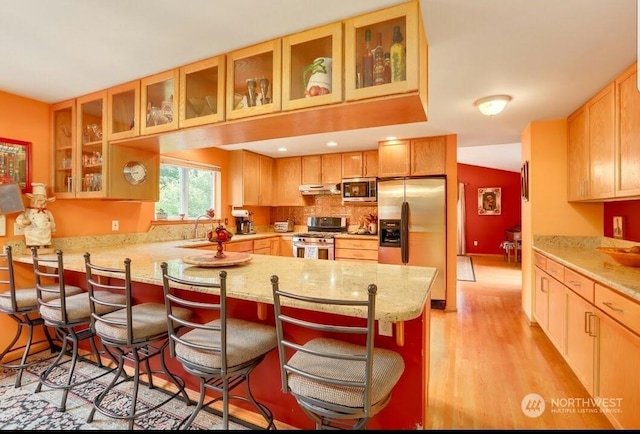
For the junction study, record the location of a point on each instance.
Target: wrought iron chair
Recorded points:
(22, 306)
(338, 384)
(135, 333)
(65, 308)
(221, 353)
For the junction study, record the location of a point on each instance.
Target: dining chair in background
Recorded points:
(221, 353)
(338, 384)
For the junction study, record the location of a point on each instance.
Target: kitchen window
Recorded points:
(187, 188)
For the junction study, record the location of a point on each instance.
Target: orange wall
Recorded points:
(488, 230)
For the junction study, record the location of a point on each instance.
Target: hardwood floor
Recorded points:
(485, 358)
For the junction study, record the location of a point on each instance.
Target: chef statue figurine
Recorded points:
(37, 221)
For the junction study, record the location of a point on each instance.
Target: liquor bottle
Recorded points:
(398, 65)
(387, 67)
(367, 61)
(378, 62)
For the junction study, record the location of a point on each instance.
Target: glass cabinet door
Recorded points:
(124, 111)
(385, 53)
(63, 129)
(159, 102)
(312, 67)
(92, 144)
(254, 80)
(202, 92)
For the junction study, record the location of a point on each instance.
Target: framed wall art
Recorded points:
(524, 181)
(490, 201)
(618, 227)
(15, 163)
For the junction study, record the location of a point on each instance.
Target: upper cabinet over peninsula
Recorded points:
(201, 98)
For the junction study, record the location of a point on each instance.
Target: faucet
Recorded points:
(195, 229)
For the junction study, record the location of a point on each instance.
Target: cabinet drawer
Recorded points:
(540, 260)
(240, 246)
(262, 244)
(579, 284)
(619, 307)
(263, 251)
(371, 255)
(342, 243)
(555, 270)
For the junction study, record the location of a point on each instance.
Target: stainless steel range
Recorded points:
(318, 243)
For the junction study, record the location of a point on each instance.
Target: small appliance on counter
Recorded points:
(283, 226)
(244, 223)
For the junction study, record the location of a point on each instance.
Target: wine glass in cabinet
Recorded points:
(123, 111)
(91, 145)
(312, 67)
(254, 80)
(202, 92)
(396, 30)
(159, 102)
(63, 116)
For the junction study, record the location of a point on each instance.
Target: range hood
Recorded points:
(312, 189)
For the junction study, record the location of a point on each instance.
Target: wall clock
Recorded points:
(134, 172)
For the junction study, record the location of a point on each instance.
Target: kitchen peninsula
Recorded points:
(403, 298)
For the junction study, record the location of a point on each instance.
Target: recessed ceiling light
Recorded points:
(282, 149)
(390, 138)
(332, 143)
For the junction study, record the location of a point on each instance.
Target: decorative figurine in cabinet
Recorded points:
(254, 80)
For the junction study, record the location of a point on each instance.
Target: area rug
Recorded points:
(465, 269)
(23, 409)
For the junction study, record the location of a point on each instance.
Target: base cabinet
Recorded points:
(581, 339)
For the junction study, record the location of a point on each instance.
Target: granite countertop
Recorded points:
(402, 290)
(579, 254)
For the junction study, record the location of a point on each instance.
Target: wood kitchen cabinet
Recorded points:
(159, 102)
(285, 247)
(407, 17)
(581, 339)
(321, 46)
(627, 179)
(356, 250)
(123, 111)
(322, 169)
(360, 164)
(577, 156)
(91, 146)
(422, 156)
(202, 92)
(251, 177)
(254, 80)
(245, 246)
(63, 138)
(288, 177)
(549, 306)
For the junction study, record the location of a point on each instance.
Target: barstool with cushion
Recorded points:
(221, 353)
(22, 306)
(338, 384)
(66, 308)
(135, 333)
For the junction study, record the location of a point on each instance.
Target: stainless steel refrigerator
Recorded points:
(412, 226)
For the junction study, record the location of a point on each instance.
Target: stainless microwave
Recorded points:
(359, 190)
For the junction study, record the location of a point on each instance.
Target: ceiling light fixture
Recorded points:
(492, 105)
(332, 143)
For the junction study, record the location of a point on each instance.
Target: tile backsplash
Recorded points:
(325, 206)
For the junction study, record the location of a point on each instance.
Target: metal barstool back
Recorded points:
(134, 333)
(337, 383)
(22, 306)
(221, 353)
(65, 308)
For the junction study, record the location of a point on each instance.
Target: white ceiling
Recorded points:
(549, 55)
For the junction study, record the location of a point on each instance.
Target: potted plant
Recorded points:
(373, 223)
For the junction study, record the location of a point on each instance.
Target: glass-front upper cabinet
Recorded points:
(312, 67)
(63, 118)
(385, 52)
(159, 102)
(123, 111)
(202, 92)
(254, 80)
(91, 143)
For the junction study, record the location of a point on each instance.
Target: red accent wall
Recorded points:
(488, 230)
(630, 212)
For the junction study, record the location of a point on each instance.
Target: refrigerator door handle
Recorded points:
(404, 233)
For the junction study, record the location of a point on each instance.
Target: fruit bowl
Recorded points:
(629, 256)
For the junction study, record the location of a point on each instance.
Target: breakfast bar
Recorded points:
(403, 299)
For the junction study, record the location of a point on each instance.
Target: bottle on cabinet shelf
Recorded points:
(367, 61)
(378, 62)
(398, 65)
(387, 67)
